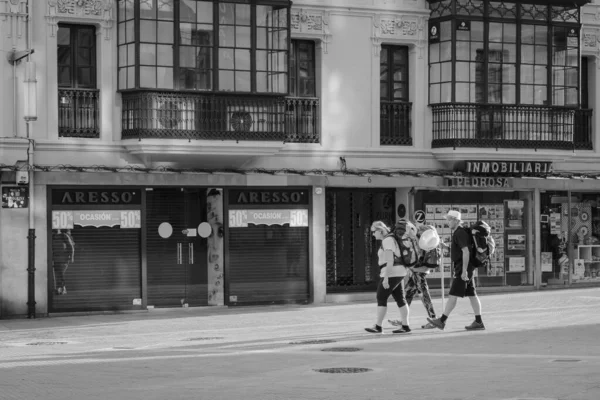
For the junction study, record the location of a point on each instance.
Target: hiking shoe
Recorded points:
(374, 329)
(402, 330)
(428, 325)
(475, 326)
(437, 322)
(395, 322)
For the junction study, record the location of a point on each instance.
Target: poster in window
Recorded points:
(515, 213)
(15, 197)
(516, 264)
(434, 32)
(546, 261)
(516, 242)
(555, 223)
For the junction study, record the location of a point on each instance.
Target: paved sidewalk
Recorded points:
(538, 345)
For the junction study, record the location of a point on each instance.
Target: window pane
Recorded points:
(495, 94)
(495, 32)
(509, 94)
(383, 90)
(85, 77)
(509, 74)
(572, 97)
(226, 59)
(261, 82)
(434, 53)
(165, 32)
(129, 31)
(242, 59)
(434, 73)
(462, 71)
(64, 76)
(148, 77)
(462, 93)
(261, 38)
(476, 31)
(84, 56)
(226, 13)
(242, 14)
(541, 35)
(242, 81)
(242, 36)
(541, 55)
(64, 55)
(226, 36)
(434, 94)
(509, 53)
(261, 60)
(462, 50)
(571, 77)
(187, 10)
(446, 72)
(540, 95)
(122, 78)
(147, 54)
(527, 34)
(400, 91)
(204, 12)
(121, 33)
(131, 54)
(226, 81)
(165, 78)
(263, 15)
(165, 55)
(510, 33)
(446, 93)
(540, 75)
(165, 9)
(130, 77)
(445, 51)
(445, 31)
(527, 54)
(122, 56)
(148, 31)
(148, 9)
(400, 74)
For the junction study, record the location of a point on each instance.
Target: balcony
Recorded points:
(78, 113)
(511, 126)
(176, 115)
(395, 123)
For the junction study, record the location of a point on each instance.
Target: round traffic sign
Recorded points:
(420, 216)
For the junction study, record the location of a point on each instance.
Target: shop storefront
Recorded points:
(94, 246)
(267, 245)
(570, 237)
(350, 246)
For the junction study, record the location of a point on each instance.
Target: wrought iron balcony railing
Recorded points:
(511, 126)
(177, 115)
(302, 120)
(78, 113)
(395, 123)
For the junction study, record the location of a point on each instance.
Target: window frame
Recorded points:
(215, 47)
(390, 64)
(74, 47)
(294, 72)
(456, 12)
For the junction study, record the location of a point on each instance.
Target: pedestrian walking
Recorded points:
(463, 283)
(416, 278)
(63, 253)
(392, 272)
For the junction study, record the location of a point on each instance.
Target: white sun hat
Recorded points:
(429, 240)
(454, 214)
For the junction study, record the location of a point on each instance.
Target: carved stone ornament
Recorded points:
(81, 11)
(16, 12)
(590, 40)
(311, 24)
(404, 28)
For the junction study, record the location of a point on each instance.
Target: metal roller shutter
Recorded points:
(105, 274)
(268, 264)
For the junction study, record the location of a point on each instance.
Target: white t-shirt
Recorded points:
(389, 243)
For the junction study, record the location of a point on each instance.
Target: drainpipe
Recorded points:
(30, 81)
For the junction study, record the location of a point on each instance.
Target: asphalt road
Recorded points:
(537, 345)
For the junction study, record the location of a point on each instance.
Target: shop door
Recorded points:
(176, 255)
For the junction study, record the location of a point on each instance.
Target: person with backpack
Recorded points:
(416, 279)
(392, 272)
(463, 283)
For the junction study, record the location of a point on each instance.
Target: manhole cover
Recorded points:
(202, 338)
(314, 342)
(344, 370)
(566, 360)
(45, 343)
(348, 349)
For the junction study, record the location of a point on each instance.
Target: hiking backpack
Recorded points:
(405, 234)
(480, 233)
(431, 258)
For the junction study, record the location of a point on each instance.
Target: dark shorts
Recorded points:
(396, 290)
(460, 288)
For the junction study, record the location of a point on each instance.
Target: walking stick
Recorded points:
(442, 270)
